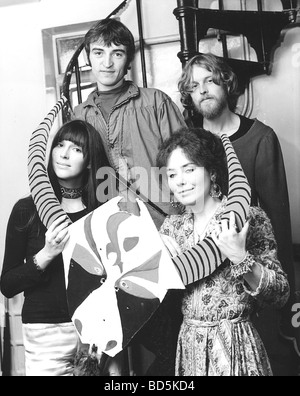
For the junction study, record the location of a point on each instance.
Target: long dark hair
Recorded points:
(85, 136)
(203, 148)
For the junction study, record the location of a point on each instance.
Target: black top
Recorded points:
(45, 293)
(245, 126)
(106, 100)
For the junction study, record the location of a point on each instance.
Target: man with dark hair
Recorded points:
(132, 121)
(209, 93)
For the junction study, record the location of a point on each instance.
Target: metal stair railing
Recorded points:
(261, 28)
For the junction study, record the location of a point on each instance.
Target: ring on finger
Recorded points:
(57, 241)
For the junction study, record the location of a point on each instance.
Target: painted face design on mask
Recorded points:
(116, 275)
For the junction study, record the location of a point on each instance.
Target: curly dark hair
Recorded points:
(203, 148)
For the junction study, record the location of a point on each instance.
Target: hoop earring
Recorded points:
(215, 189)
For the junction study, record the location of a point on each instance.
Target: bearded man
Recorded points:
(209, 93)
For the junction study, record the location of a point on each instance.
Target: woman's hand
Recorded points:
(171, 245)
(231, 242)
(55, 240)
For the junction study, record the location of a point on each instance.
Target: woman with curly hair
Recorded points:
(217, 336)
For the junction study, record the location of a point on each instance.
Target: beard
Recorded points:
(213, 108)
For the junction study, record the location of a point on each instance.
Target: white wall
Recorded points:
(277, 103)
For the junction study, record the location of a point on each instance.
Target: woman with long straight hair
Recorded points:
(33, 262)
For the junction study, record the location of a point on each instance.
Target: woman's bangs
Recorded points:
(76, 136)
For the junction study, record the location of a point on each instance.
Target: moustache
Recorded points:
(206, 98)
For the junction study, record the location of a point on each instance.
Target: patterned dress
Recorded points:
(217, 337)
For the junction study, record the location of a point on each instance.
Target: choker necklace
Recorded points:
(71, 193)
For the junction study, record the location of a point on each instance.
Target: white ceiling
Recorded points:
(4, 3)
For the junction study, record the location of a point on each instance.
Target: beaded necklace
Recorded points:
(71, 193)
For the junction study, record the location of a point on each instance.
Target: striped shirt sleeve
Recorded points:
(204, 258)
(46, 202)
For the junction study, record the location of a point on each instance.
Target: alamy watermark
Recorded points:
(296, 317)
(148, 185)
(152, 185)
